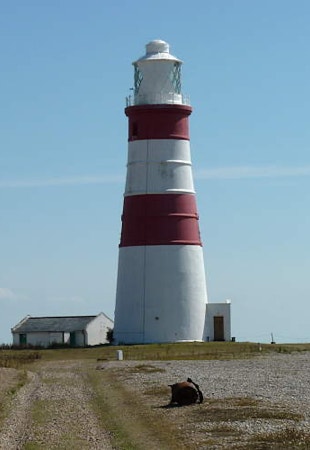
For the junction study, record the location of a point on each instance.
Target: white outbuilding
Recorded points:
(217, 322)
(76, 331)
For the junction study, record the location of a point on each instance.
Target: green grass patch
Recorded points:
(161, 352)
(11, 381)
(32, 446)
(131, 423)
(22, 378)
(41, 412)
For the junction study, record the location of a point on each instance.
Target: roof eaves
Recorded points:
(20, 323)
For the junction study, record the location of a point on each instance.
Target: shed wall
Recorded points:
(42, 339)
(80, 339)
(96, 330)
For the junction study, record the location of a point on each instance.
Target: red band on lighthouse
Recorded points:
(160, 220)
(158, 122)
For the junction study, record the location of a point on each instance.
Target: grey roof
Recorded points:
(53, 324)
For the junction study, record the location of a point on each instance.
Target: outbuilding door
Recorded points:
(72, 339)
(22, 339)
(218, 322)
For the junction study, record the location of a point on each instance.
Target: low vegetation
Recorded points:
(138, 417)
(145, 368)
(289, 438)
(11, 380)
(18, 358)
(238, 409)
(156, 352)
(130, 421)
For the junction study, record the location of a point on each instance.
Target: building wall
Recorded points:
(80, 339)
(43, 339)
(56, 338)
(217, 310)
(96, 330)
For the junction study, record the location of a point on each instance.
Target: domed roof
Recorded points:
(157, 50)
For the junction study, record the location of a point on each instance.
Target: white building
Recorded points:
(77, 331)
(217, 322)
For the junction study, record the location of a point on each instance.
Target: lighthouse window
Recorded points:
(175, 77)
(134, 129)
(138, 77)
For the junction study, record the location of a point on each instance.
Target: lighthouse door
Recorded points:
(218, 322)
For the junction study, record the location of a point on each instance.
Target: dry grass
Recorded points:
(145, 368)
(131, 423)
(17, 359)
(158, 391)
(289, 438)
(164, 352)
(241, 409)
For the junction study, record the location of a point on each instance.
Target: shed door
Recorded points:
(22, 339)
(72, 339)
(218, 322)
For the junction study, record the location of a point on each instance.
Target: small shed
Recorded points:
(76, 331)
(218, 322)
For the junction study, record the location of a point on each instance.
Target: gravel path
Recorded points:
(15, 427)
(53, 411)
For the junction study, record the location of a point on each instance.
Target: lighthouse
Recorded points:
(161, 291)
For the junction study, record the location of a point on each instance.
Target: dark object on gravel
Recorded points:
(185, 393)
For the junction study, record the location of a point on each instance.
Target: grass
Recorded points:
(289, 438)
(16, 359)
(131, 423)
(32, 446)
(41, 412)
(11, 382)
(22, 378)
(158, 391)
(241, 409)
(156, 352)
(145, 368)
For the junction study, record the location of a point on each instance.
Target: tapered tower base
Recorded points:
(161, 296)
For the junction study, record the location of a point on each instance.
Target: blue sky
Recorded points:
(65, 72)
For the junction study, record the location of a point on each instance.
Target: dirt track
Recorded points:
(52, 411)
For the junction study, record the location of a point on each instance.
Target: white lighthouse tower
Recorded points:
(161, 287)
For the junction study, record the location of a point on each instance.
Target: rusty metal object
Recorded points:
(185, 393)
